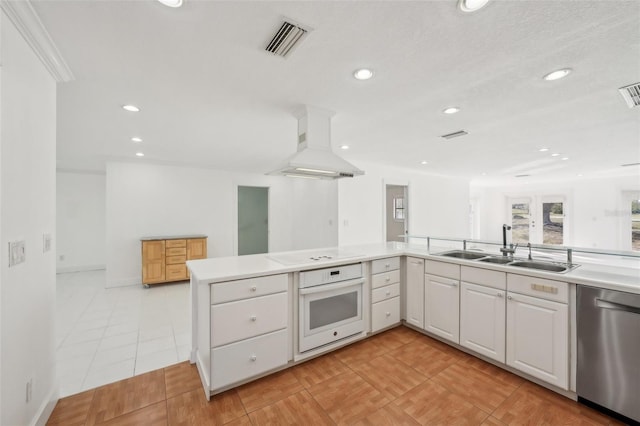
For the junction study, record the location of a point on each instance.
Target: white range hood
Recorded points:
(314, 158)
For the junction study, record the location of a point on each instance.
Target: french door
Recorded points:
(538, 219)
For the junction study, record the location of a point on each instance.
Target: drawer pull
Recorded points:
(387, 265)
(388, 292)
(545, 288)
(253, 318)
(509, 297)
(499, 294)
(253, 358)
(254, 288)
(388, 314)
(387, 279)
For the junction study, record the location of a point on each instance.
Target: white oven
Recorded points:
(330, 305)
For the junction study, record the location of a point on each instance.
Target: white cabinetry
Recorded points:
(538, 328)
(385, 293)
(442, 300)
(247, 334)
(482, 311)
(414, 296)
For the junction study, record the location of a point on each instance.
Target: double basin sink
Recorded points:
(510, 261)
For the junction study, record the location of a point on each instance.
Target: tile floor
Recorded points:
(399, 377)
(105, 335)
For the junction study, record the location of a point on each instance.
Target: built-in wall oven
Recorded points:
(330, 305)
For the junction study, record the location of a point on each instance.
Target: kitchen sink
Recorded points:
(460, 254)
(552, 267)
(500, 260)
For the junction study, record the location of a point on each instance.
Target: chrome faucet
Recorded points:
(529, 246)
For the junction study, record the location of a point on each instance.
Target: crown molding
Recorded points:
(29, 25)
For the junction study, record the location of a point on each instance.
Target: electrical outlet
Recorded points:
(61, 257)
(46, 242)
(29, 390)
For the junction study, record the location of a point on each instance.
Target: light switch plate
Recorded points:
(16, 252)
(46, 243)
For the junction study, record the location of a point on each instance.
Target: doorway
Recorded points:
(396, 208)
(538, 220)
(253, 220)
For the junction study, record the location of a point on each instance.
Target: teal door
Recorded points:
(253, 220)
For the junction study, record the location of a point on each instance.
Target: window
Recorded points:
(398, 208)
(520, 222)
(552, 223)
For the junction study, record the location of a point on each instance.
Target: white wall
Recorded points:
(27, 211)
(144, 200)
(437, 206)
(80, 221)
(594, 213)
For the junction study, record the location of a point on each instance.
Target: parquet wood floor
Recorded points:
(399, 377)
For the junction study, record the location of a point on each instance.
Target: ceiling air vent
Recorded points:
(631, 94)
(285, 39)
(521, 176)
(630, 164)
(455, 134)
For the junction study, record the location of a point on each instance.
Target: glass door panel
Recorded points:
(520, 221)
(553, 223)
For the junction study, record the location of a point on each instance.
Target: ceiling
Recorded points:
(211, 96)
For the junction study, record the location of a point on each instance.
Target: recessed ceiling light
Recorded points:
(171, 3)
(136, 139)
(557, 74)
(344, 147)
(565, 158)
(579, 174)
(363, 74)
(139, 154)
(131, 108)
(555, 154)
(451, 110)
(484, 174)
(423, 162)
(471, 5)
(543, 149)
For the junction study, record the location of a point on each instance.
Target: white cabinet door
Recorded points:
(442, 307)
(482, 320)
(538, 338)
(414, 296)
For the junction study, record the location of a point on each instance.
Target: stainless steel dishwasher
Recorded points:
(609, 350)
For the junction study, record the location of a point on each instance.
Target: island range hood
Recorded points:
(314, 158)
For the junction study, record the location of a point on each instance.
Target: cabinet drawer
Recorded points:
(172, 260)
(385, 314)
(379, 280)
(442, 269)
(234, 321)
(248, 358)
(175, 243)
(251, 287)
(384, 293)
(383, 265)
(176, 272)
(538, 287)
(176, 251)
(487, 277)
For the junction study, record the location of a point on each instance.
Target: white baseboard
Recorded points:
(81, 268)
(45, 410)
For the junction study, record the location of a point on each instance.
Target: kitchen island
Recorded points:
(442, 297)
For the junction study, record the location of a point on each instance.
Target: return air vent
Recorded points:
(455, 134)
(631, 95)
(286, 38)
(521, 176)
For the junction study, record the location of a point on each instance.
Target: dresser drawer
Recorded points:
(176, 272)
(538, 287)
(442, 269)
(384, 265)
(251, 287)
(385, 314)
(175, 243)
(234, 321)
(176, 251)
(486, 277)
(379, 280)
(172, 260)
(384, 293)
(242, 360)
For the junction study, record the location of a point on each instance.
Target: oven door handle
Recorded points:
(328, 287)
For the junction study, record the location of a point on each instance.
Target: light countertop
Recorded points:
(214, 270)
(173, 237)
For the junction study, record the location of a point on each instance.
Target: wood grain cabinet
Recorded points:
(164, 258)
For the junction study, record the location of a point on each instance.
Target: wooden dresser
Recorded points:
(164, 258)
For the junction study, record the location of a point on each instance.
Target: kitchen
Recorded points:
(136, 194)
